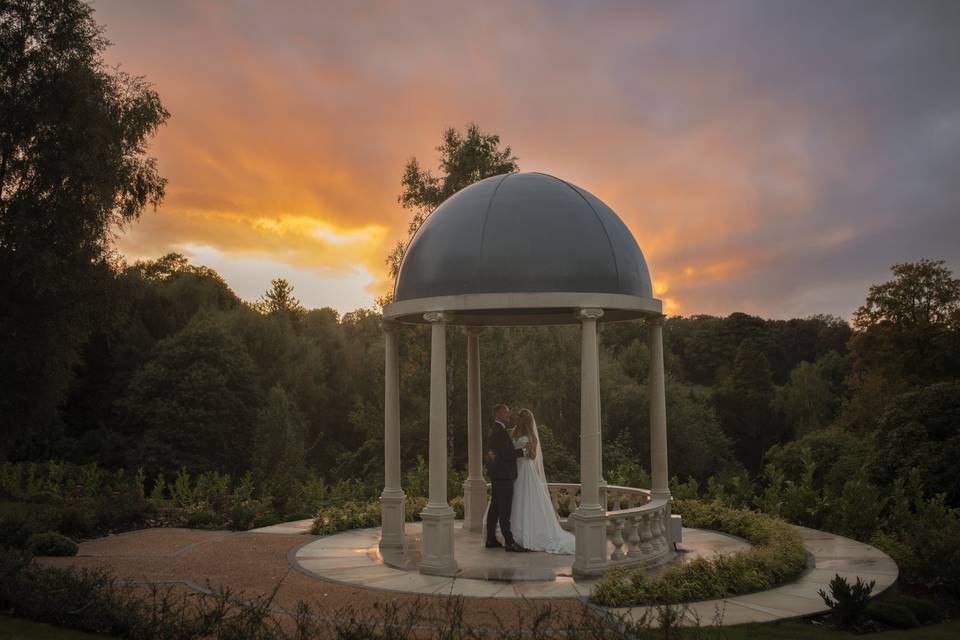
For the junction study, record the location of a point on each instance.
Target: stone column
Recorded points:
(589, 523)
(474, 487)
(392, 500)
(658, 413)
(437, 552)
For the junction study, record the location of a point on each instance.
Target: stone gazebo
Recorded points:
(527, 249)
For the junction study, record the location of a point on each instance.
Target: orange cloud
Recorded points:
(290, 129)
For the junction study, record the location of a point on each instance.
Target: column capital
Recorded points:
(390, 326)
(434, 317)
(472, 331)
(590, 314)
(656, 321)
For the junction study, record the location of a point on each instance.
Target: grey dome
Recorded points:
(522, 233)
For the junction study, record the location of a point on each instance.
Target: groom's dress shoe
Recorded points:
(513, 546)
(493, 545)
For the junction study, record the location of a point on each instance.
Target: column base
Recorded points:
(474, 504)
(590, 529)
(392, 520)
(437, 557)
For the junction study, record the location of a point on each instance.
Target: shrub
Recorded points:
(892, 614)
(203, 519)
(847, 602)
(361, 515)
(20, 520)
(51, 543)
(926, 611)
(778, 556)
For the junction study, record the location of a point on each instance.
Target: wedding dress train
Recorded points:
(534, 523)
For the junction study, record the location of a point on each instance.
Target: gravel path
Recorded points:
(253, 564)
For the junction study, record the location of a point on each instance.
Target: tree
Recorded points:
(806, 402)
(280, 441)
(464, 159)
(279, 300)
(919, 430)
(194, 403)
(909, 327)
(73, 167)
(743, 404)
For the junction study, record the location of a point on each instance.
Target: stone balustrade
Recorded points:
(637, 524)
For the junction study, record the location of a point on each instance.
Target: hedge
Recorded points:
(362, 515)
(776, 557)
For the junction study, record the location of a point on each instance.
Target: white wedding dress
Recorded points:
(534, 523)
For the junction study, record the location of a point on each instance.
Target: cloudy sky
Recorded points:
(770, 157)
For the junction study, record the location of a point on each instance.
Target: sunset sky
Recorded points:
(770, 157)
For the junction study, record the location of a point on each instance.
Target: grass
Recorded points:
(19, 629)
(802, 631)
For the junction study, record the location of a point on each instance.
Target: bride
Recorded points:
(535, 524)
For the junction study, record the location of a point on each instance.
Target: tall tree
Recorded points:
(743, 403)
(73, 166)
(464, 159)
(909, 327)
(279, 300)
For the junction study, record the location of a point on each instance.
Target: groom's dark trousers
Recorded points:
(503, 471)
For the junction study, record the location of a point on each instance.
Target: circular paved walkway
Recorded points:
(353, 557)
(256, 563)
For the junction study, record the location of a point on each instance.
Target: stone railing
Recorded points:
(638, 526)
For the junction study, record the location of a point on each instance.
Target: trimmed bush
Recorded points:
(778, 556)
(893, 614)
(51, 543)
(925, 611)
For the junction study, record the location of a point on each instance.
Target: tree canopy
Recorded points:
(464, 159)
(73, 168)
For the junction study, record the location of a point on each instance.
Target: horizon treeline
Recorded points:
(182, 373)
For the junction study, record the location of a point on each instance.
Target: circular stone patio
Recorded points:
(353, 558)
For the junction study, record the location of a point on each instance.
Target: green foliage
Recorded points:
(778, 556)
(807, 401)
(892, 614)
(464, 159)
(925, 611)
(920, 534)
(743, 403)
(73, 167)
(909, 327)
(919, 431)
(857, 513)
(847, 602)
(802, 501)
(361, 515)
(51, 543)
(194, 400)
(280, 441)
(205, 519)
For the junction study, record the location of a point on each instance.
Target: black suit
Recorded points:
(503, 471)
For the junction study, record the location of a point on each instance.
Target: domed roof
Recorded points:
(522, 232)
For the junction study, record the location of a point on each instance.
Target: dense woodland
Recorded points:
(157, 367)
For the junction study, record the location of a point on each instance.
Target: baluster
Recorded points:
(646, 548)
(555, 499)
(660, 541)
(633, 537)
(616, 537)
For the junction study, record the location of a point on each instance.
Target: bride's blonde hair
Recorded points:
(524, 424)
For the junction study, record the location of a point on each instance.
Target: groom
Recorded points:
(502, 467)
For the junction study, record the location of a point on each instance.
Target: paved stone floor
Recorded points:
(354, 557)
(323, 572)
